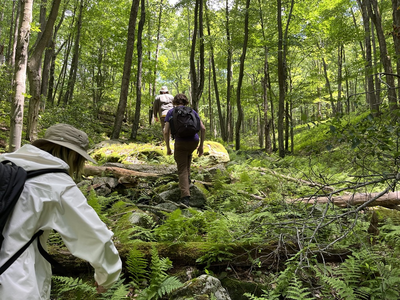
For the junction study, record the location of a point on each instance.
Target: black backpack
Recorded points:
(12, 181)
(184, 123)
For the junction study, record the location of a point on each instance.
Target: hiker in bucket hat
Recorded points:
(162, 104)
(53, 201)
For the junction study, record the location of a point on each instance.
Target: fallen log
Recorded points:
(123, 175)
(388, 200)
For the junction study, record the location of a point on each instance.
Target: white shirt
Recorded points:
(52, 201)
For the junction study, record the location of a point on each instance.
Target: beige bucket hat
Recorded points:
(164, 89)
(67, 136)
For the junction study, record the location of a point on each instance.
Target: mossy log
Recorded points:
(190, 254)
(388, 200)
(123, 175)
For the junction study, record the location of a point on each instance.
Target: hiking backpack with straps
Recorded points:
(184, 122)
(12, 182)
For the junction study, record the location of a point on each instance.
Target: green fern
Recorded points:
(72, 288)
(161, 283)
(295, 291)
(136, 265)
(116, 292)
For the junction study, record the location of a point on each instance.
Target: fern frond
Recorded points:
(117, 291)
(137, 265)
(295, 291)
(169, 285)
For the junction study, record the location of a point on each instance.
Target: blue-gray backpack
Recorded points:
(12, 182)
(184, 122)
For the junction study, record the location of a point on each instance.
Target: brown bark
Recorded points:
(123, 97)
(241, 74)
(34, 72)
(197, 75)
(136, 120)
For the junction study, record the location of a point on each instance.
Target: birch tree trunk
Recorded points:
(21, 60)
(123, 97)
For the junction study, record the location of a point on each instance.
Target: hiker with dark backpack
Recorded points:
(48, 201)
(184, 124)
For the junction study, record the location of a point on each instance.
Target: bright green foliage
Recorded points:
(160, 282)
(64, 286)
(136, 265)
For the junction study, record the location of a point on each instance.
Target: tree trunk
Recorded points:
(375, 16)
(241, 73)
(281, 81)
(136, 120)
(328, 86)
(197, 82)
(396, 34)
(34, 71)
(75, 59)
(17, 106)
(371, 99)
(123, 97)
(214, 75)
(13, 28)
(156, 59)
(228, 127)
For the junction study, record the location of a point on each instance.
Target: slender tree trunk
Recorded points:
(49, 63)
(34, 71)
(12, 30)
(281, 81)
(156, 59)
(216, 89)
(328, 86)
(229, 76)
(15, 40)
(282, 72)
(75, 59)
(241, 73)
(123, 98)
(17, 106)
(375, 15)
(371, 99)
(267, 123)
(339, 79)
(136, 120)
(396, 34)
(197, 74)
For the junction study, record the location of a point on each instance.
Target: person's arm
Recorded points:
(86, 236)
(167, 134)
(202, 136)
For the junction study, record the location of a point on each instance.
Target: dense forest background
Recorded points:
(302, 94)
(254, 70)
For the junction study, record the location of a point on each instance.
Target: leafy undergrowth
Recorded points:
(253, 229)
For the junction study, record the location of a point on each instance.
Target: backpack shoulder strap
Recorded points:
(35, 173)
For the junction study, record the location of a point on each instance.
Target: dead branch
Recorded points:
(389, 200)
(123, 175)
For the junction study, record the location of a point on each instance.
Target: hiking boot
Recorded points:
(185, 200)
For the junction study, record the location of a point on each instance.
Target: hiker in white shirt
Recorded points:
(53, 201)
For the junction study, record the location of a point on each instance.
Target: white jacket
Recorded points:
(52, 201)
